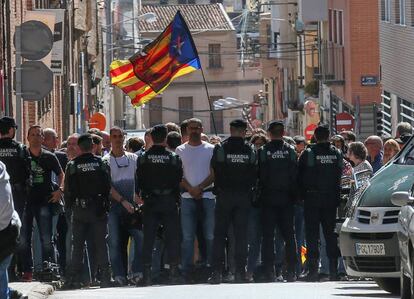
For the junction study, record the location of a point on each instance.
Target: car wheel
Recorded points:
(390, 285)
(405, 284)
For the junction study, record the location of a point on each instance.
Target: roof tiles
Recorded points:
(199, 17)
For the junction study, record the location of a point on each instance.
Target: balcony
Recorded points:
(332, 68)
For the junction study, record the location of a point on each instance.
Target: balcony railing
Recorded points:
(332, 68)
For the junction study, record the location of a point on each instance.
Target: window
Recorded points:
(155, 112)
(382, 10)
(402, 12)
(387, 10)
(218, 117)
(340, 28)
(412, 12)
(335, 27)
(276, 40)
(397, 11)
(330, 24)
(214, 56)
(185, 107)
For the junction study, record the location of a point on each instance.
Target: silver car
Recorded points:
(405, 240)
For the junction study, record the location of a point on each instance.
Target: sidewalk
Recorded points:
(35, 290)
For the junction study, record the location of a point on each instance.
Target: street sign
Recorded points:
(344, 122)
(36, 40)
(98, 120)
(369, 81)
(37, 80)
(309, 130)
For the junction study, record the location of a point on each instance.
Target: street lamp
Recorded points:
(149, 17)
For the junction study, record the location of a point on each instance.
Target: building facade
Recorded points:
(75, 60)
(350, 63)
(216, 41)
(397, 63)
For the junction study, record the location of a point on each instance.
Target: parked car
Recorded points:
(368, 237)
(405, 239)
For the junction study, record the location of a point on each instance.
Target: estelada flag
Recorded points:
(171, 55)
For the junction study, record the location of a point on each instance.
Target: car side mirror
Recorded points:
(401, 198)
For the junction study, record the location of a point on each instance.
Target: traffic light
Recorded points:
(379, 122)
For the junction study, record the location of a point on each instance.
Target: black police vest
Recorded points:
(277, 164)
(323, 171)
(17, 160)
(90, 177)
(235, 166)
(160, 170)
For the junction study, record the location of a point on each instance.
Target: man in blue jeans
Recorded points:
(198, 201)
(123, 166)
(43, 194)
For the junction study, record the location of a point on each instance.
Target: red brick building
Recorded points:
(351, 62)
(63, 110)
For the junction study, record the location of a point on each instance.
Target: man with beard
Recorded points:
(197, 200)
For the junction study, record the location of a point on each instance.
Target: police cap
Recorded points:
(238, 123)
(7, 122)
(275, 123)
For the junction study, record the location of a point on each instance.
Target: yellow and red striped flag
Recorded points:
(171, 55)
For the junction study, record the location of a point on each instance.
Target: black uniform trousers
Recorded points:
(161, 209)
(316, 215)
(231, 207)
(19, 201)
(86, 225)
(283, 217)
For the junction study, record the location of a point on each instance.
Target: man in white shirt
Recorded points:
(123, 166)
(197, 202)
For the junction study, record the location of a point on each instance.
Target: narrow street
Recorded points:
(364, 289)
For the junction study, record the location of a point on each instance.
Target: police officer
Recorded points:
(234, 164)
(320, 170)
(87, 186)
(17, 160)
(16, 157)
(158, 176)
(277, 183)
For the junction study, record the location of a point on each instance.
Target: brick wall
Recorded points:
(361, 50)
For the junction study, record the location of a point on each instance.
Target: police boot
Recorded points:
(215, 278)
(146, 280)
(240, 276)
(291, 273)
(106, 281)
(312, 275)
(175, 276)
(269, 274)
(333, 270)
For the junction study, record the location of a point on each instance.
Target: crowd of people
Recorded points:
(180, 206)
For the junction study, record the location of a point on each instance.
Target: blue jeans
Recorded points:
(254, 239)
(115, 252)
(189, 216)
(43, 216)
(4, 279)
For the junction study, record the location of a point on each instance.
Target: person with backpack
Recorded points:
(320, 171)
(277, 183)
(234, 165)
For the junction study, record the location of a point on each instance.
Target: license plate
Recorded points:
(370, 249)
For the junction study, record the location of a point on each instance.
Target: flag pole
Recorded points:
(209, 102)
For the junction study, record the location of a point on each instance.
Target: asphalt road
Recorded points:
(298, 290)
